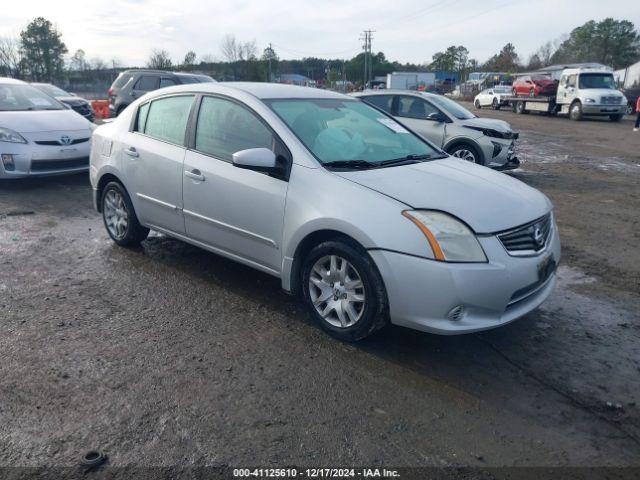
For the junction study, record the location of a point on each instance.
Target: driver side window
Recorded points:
(225, 127)
(415, 107)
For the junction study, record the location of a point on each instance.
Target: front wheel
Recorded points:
(495, 104)
(119, 217)
(477, 104)
(575, 112)
(630, 109)
(466, 152)
(344, 291)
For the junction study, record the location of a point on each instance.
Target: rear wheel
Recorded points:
(520, 108)
(119, 218)
(575, 112)
(465, 151)
(344, 291)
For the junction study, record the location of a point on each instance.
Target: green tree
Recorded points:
(189, 59)
(615, 43)
(505, 61)
(43, 50)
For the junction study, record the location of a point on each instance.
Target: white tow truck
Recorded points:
(581, 91)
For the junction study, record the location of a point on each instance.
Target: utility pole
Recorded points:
(367, 36)
(270, 55)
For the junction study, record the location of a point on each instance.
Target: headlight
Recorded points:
(449, 238)
(10, 136)
(589, 100)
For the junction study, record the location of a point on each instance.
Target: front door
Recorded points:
(235, 211)
(420, 116)
(153, 157)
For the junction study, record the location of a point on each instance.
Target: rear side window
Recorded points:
(146, 83)
(166, 118)
(381, 101)
(122, 79)
(225, 127)
(167, 82)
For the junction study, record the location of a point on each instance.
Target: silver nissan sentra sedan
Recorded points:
(367, 221)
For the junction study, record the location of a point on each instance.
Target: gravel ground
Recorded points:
(170, 355)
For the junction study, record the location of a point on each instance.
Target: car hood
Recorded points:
(486, 200)
(74, 101)
(499, 125)
(43, 121)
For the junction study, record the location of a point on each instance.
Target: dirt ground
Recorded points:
(170, 355)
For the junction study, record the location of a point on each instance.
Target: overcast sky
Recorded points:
(406, 30)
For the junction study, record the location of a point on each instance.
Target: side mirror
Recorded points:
(437, 117)
(258, 159)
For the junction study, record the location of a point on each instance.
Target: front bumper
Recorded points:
(423, 292)
(589, 109)
(43, 160)
(504, 157)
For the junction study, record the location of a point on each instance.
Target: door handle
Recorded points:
(194, 174)
(132, 152)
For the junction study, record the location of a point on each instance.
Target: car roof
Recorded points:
(395, 91)
(260, 90)
(12, 81)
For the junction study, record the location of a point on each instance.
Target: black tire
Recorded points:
(532, 92)
(459, 147)
(519, 108)
(375, 313)
(134, 233)
(477, 104)
(495, 104)
(630, 109)
(515, 92)
(616, 118)
(575, 111)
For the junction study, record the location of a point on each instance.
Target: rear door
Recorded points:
(236, 211)
(417, 114)
(144, 84)
(153, 158)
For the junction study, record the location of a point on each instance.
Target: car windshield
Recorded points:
(52, 90)
(452, 107)
(597, 80)
(350, 131)
(19, 97)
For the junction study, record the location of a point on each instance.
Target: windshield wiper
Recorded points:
(350, 164)
(408, 159)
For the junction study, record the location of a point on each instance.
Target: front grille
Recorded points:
(528, 239)
(58, 143)
(50, 165)
(610, 100)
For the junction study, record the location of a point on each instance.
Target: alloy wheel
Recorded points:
(465, 154)
(115, 214)
(337, 291)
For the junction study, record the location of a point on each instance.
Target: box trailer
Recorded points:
(411, 80)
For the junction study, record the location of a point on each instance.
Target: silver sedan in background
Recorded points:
(450, 126)
(367, 221)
